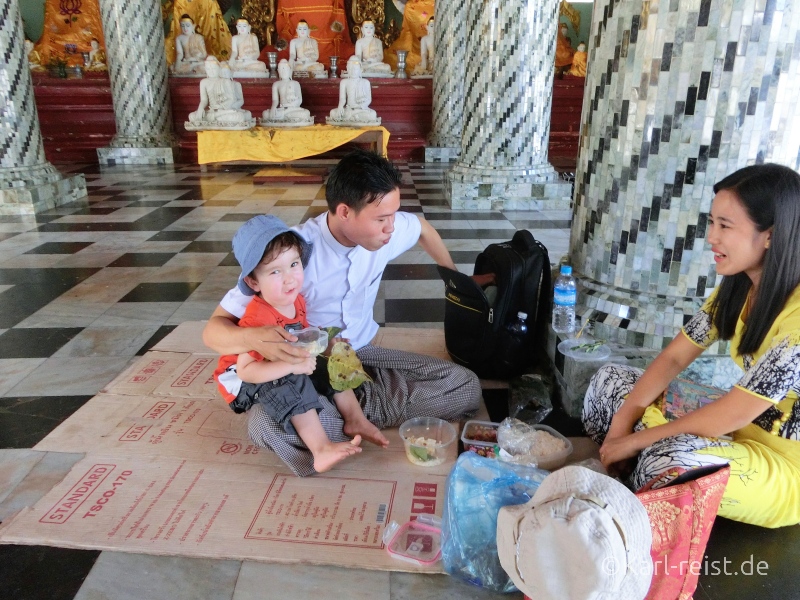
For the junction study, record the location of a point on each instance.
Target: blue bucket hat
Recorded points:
(251, 241)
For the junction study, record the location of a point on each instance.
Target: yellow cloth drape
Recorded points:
(276, 145)
(69, 35)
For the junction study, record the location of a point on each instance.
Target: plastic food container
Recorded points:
(427, 440)
(311, 339)
(416, 541)
(480, 437)
(548, 462)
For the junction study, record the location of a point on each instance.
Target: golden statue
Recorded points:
(415, 21)
(578, 68)
(564, 49)
(69, 36)
(208, 21)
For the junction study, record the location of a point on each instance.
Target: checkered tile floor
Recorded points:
(85, 289)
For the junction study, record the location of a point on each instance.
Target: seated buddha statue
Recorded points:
(286, 100)
(426, 51)
(97, 57)
(355, 96)
(244, 53)
(369, 51)
(221, 101)
(578, 68)
(190, 50)
(564, 50)
(304, 52)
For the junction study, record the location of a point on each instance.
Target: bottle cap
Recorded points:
(522, 315)
(566, 270)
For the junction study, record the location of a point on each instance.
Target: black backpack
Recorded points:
(476, 330)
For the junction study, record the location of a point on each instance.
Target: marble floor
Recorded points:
(84, 289)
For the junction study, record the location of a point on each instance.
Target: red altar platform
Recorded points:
(77, 116)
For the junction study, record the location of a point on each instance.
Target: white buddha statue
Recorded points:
(97, 57)
(426, 51)
(369, 51)
(245, 52)
(304, 52)
(221, 101)
(286, 100)
(355, 96)
(190, 50)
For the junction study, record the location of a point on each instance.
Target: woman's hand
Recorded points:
(618, 449)
(271, 342)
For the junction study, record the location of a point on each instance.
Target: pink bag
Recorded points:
(681, 515)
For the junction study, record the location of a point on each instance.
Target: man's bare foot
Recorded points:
(335, 453)
(363, 427)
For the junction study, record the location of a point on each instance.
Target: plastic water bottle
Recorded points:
(519, 328)
(564, 298)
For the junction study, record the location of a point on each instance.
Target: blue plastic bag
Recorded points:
(477, 488)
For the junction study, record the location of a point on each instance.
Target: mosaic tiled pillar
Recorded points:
(508, 87)
(449, 40)
(137, 69)
(28, 182)
(678, 95)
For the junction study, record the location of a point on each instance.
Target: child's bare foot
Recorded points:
(332, 453)
(362, 426)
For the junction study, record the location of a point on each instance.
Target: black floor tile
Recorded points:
(201, 192)
(222, 202)
(35, 342)
(143, 259)
(208, 247)
(416, 310)
(59, 248)
(463, 216)
(229, 261)
(399, 272)
(464, 257)
(175, 236)
(459, 234)
(738, 549)
(293, 202)
(148, 203)
(96, 210)
(313, 211)
(161, 218)
(173, 291)
(56, 408)
(43, 572)
(238, 217)
(4, 235)
(159, 335)
(35, 289)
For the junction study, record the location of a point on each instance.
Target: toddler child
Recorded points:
(272, 258)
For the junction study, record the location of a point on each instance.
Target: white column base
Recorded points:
(32, 199)
(111, 156)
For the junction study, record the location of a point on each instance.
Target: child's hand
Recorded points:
(306, 367)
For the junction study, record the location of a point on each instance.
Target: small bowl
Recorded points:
(311, 339)
(480, 437)
(427, 440)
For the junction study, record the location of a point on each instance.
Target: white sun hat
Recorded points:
(583, 536)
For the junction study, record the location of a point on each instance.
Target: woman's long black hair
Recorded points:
(771, 195)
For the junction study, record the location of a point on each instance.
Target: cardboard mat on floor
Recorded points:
(169, 470)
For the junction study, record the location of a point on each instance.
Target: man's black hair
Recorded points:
(359, 179)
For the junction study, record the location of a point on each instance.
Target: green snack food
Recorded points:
(589, 346)
(420, 452)
(344, 368)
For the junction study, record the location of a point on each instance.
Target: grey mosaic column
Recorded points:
(28, 182)
(508, 91)
(679, 94)
(449, 41)
(138, 72)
